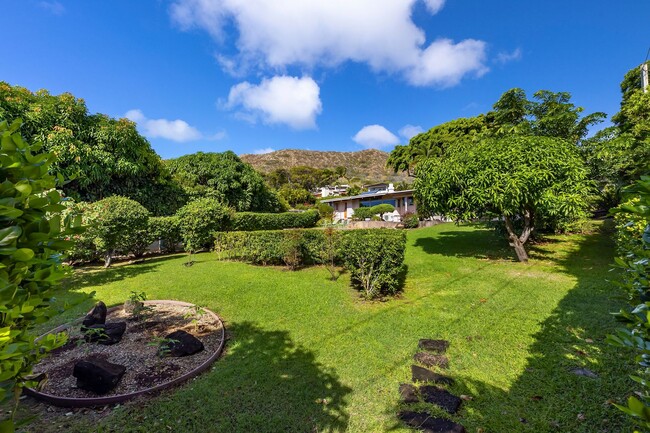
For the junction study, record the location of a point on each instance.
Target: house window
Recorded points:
(371, 203)
(410, 201)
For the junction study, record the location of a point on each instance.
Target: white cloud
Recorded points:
(505, 57)
(263, 151)
(52, 6)
(375, 137)
(175, 130)
(278, 100)
(275, 34)
(410, 131)
(434, 6)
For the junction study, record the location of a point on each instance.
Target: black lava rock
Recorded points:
(431, 360)
(181, 343)
(408, 393)
(97, 316)
(437, 346)
(440, 397)
(107, 334)
(421, 374)
(97, 375)
(423, 421)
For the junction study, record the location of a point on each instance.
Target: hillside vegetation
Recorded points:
(367, 165)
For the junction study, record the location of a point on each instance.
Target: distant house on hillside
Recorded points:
(376, 194)
(330, 191)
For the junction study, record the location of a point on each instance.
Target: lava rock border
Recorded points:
(101, 401)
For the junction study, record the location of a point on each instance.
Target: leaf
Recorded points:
(9, 235)
(23, 255)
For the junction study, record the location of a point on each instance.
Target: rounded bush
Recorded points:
(411, 221)
(200, 219)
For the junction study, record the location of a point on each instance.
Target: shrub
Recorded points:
(32, 245)
(374, 259)
(167, 230)
(200, 219)
(82, 247)
(381, 209)
(293, 248)
(633, 219)
(326, 211)
(296, 195)
(361, 213)
(411, 221)
(119, 226)
(251, 221)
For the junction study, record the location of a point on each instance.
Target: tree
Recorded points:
(32, 244)
(522, 179)
(120, 225)
(296, 195)
(381, 209)
(99, 155)
(225, 177)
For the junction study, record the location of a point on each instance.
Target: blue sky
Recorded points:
(255, 75)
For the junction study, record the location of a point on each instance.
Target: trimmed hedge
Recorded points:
(253, 221)
(168, 230)
(374, 257)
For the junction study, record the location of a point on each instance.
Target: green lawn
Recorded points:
(306, 354)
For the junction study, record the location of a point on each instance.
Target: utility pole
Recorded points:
(644, 77)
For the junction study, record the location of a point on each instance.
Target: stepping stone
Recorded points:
(183, 344)
(97, 316)
(584, 372)
(97, 375)
(440, 397)
(423, 421)
(431, 360)
(421, 374)
(408, 393)
(437, 346)
(107, 334)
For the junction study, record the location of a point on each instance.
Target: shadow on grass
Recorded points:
(98, 275)
(548, 396)
(264, 383)
(481, 244)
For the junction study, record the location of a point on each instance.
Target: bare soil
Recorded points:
(137, 351)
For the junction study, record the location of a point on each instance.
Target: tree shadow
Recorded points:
(481, 244)
(263, 383)
(548, 396)
(98, 275)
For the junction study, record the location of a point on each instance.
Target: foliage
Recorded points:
(411, 221)
(374, 259)
(225, 177)
(82, 247)
(325, 211)
(101, 156)
(31, 248)
(167, 230)
(304, 177)
(296, 195)
(330, 251)
(519, 178)
(119, 226)
(200, 219)
(294, 248)
(251, 221)
(381, 209)
(635, 263)
(361, 213)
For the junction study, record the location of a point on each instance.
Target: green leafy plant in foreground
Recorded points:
(635, 263)
(31, 245)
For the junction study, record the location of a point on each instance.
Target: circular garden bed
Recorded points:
(165, 343)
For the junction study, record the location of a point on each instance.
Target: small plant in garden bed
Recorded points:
(195, 313)
(135, 305)
(164, 345)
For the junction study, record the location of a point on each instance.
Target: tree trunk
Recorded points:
(516, 241)
(108, 257)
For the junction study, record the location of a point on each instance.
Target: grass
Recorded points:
(305, 354)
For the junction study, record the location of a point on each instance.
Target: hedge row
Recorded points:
(373, 257)
(252, 221)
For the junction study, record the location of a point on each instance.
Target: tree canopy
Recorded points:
(523, 179)
(225, 177)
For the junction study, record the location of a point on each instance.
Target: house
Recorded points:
(376, 194)
(330, 191)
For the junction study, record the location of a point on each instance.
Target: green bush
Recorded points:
(411, 221)
(200, 219)
(326, 211)
(293, 248)
(361, 213)
(251, 221)
(167, 230)
(119, 226)
(381, 209)
(633, 218)
(82, 247)
(32, 242)
(374, 259)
